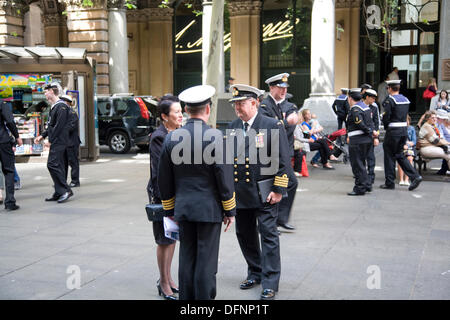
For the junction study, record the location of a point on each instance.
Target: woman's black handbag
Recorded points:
(155, 212)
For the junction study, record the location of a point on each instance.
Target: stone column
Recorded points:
(55, 23)
(444, 47)
(206, 29)
(118, 50)
(88, 28)
(34, 28)
(245, 19)
(323, 30)
(11, 24)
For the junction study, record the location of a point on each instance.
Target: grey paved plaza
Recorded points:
(385, 245)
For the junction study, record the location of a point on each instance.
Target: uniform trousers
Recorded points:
(358, 157)
(371, 164)
(7, 160)
(393, 151)
(285, 205)
(56, 165)
(198, 260)
(74, 163)
(263, 260)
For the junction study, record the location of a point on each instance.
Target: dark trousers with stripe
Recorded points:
(198, 260)
(263, 258)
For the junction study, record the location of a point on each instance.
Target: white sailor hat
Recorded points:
(442, 114)
(197, 96)
(280, 80)
(371, 92)
(54, 85)
(393, 82)
(366, 86)
(345, 90)
(243, 92)
(67, 98)
(355, 94)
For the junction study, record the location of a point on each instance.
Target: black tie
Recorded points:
(246, 126)
(280, 114)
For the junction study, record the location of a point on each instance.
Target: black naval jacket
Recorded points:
(360, 124)
(394, 116)
(375, 116)
(195, 192)
(7, 122)
(155, 147)
(74, 137)
(270, 109)
(57, 125)
(247, 174)
(341, 107)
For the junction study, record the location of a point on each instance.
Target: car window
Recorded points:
(104, 107)
(120, 106)
(133, 109)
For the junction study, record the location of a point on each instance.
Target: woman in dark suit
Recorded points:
(172, 117)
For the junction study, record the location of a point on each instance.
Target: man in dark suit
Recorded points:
(58, 137)
(73, 146)
(258, 138)
(276, 106)
(9, 136)
(196, 186)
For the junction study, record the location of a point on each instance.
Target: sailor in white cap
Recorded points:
(256, 218)
(396, 108)
(58, 136)
(198, 193)
(276, 106)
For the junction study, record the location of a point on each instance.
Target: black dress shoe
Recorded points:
(65, 196)
(286, 226)
(54, 197)
(369, 189)
(415, 183)
(165, 296)
(74, 185)
(268, 294)
(353, 193)
(384, 186)
(12, 208)
(248, 284)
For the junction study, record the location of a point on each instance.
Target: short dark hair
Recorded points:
(195, 111)
(165, 103)
(395, 87)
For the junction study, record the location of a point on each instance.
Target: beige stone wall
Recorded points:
(11, 30)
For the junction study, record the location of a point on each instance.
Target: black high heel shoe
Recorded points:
(161, 293)
(175, 290)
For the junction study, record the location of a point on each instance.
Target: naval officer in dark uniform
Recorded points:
(199, 192)
(58, 136)
(369, 97)
(277, 106)
(253, 135)
(396, 108)
(7, 126)
(360, 138)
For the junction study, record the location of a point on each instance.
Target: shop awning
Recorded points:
(41, 55)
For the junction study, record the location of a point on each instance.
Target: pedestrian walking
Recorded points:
(396, 108)
(9, 136)
(253, 215)
(360, 135)
(73, 146)
(198, 191)
(341, 107)
(58, 137)
(276, 106)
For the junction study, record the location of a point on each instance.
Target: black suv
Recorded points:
(125, 121)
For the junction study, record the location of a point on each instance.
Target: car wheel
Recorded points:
(119, 142)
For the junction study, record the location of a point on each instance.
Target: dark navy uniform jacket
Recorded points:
(394, 117)
(247, 173)
(57, 125)
(269, 108)
(195, 192)
(375, 116)
(74, 137)
(360, 125)
(341, 107)
(155, 148)
(7, 122)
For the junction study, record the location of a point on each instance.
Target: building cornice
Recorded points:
(241, 8)
(150, 14)
(347, 4)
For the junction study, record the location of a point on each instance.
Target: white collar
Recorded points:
(56, 103)
(276, 102)
(250, 122)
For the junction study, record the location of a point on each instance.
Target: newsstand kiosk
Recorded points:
(24, 72)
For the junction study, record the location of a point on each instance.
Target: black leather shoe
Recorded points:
(65, 196)
(286, 226)
(12, 208)
(74, 185)
(268, 294)
(383, 186)
(248, 284)
(415, 183)
(54, 197)
(353, 193)
(369, 189)
(165, 296)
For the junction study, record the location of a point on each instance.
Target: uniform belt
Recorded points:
(355, 133)
(397, 124)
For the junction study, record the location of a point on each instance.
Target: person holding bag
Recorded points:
(430, 91)
(172, 117)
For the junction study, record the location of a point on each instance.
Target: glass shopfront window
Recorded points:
(286, 44)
